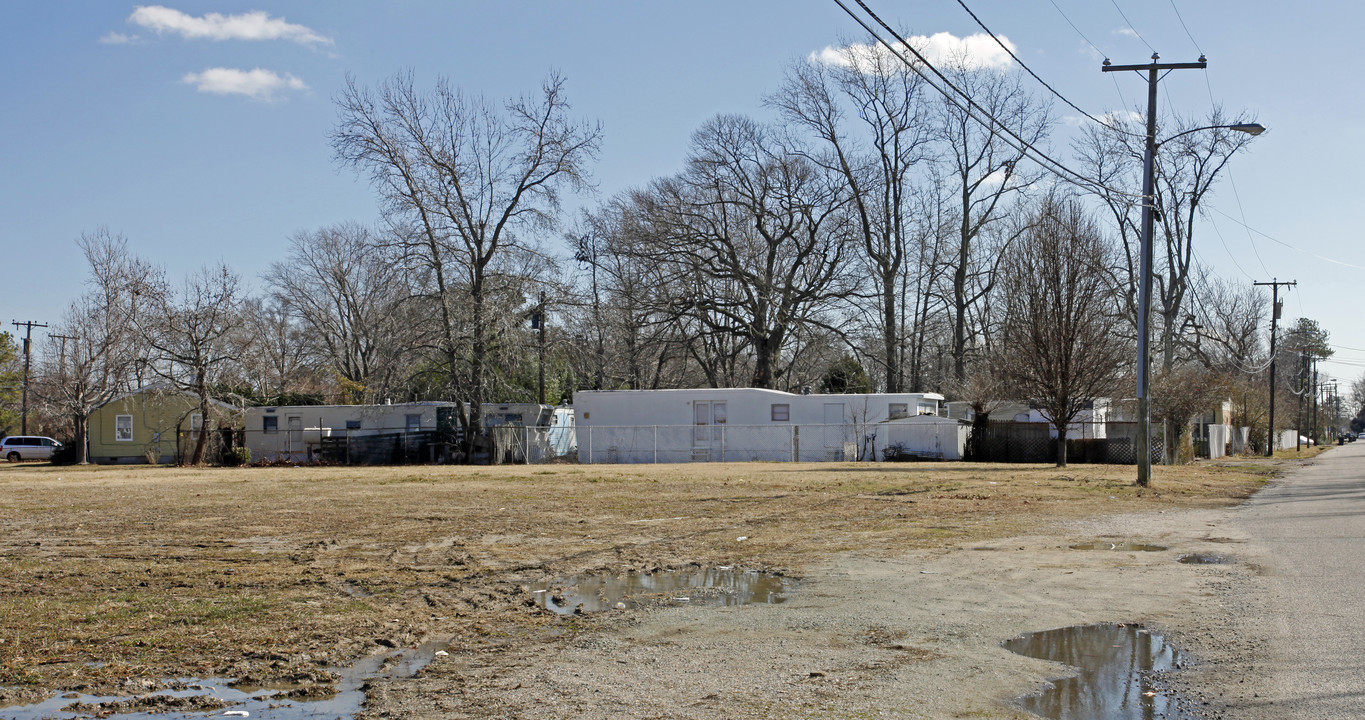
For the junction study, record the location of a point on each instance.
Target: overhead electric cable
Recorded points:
(1187, 29)
(1281, 242)
(1130, 26)
(1029, 70)
(1025, 148)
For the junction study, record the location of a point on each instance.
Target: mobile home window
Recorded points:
(270, 424)
(352, 424)
(782, 412)
(414, 423)
(895, 411)
(123, 428)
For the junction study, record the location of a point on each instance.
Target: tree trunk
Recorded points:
(81, 425)
(890, 336)
(1061, 446)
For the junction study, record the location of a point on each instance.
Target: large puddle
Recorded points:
(1117, 669)
(719, 586)
(196, 699)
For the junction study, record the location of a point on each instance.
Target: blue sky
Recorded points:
(137, 117)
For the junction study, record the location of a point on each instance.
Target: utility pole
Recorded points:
(1144, 438)
(1274, 316)
(28, 326)
(1312, 406)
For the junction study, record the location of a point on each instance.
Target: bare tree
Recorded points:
(278, 362)
(1059, 307)
(193, 333)
(351, 294)
(1187, 169)
(986, 170)
(470, 182)
(757, 232)
(889, 137)
(92, 355)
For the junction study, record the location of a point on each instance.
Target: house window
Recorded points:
(927, 409)
(782, 412)
(414, 423)
(196, 422)
(270, 424)
(718, 412)
(123, 428)
(352, 424)
(895, 411)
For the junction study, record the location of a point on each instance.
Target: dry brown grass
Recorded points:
(114, 572)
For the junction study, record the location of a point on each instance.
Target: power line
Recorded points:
(1187, 29)
(1029, 70)
(1281, 242)
(1130, 26)
(1025, 148)
(1078, 30)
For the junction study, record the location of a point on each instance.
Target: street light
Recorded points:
(1153, 72)
(1144, 433)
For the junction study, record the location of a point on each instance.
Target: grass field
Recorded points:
(274, 574)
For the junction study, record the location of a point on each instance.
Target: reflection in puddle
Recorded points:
(1120, 547)
(1116, 666)
(1206, 559)
(713, 587)
(195, 699)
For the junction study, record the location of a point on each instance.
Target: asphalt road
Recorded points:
(1311, 529)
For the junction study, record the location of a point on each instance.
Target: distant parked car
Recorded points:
(28, 447)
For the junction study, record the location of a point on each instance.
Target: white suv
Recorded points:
(28, 447)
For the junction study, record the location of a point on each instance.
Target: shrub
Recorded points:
(237, 456)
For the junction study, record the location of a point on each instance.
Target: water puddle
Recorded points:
(1119, 546)
(1206, 559)
(720, 586)
(195, 699)
(1118, 668)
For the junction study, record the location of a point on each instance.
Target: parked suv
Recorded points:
(28, 447)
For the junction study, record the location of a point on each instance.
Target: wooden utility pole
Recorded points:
(1274, 316)
(28, 326)
(1154, 72)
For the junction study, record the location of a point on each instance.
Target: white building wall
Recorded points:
(732, 424)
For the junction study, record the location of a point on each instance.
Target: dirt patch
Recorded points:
(273, 574)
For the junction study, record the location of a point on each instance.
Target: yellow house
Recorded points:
(156, 424)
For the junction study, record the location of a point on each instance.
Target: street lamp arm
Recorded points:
(1252, 129)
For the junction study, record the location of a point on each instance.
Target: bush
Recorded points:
(237, 456)
(64, 455)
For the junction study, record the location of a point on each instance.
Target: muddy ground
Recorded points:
(906, 579)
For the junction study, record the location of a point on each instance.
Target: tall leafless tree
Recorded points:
(193, 332)
(875, 152)
(348, 290)
(93, 353)
(1187, 169)
(986, 170)
(1059, 307)
(759, 235)
(471, 182)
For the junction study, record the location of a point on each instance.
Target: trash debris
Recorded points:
(236, 713)
(440, 653)
(741, 538)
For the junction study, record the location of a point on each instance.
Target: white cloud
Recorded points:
(115, 38)
(1128, 32)
(975, 52)
(255, 25)
(258, 84)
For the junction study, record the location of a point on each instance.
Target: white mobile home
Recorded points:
(739, 424)
(295, 432)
